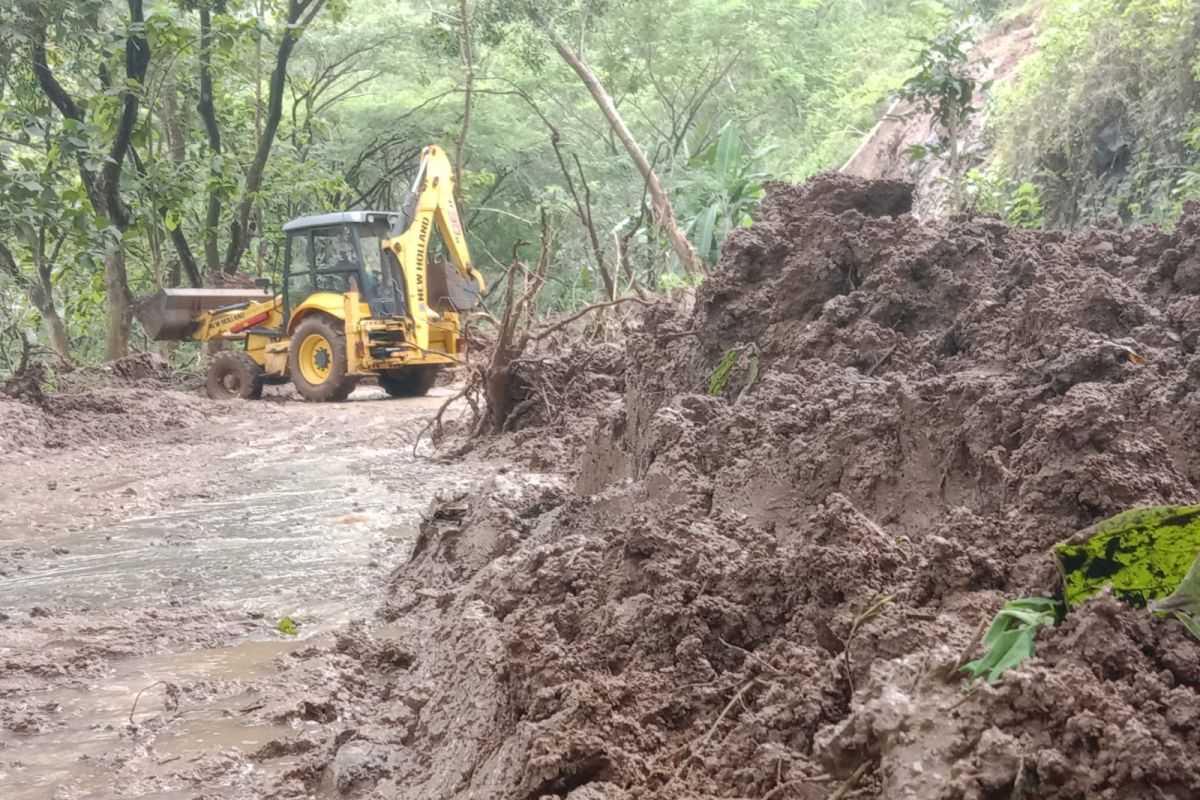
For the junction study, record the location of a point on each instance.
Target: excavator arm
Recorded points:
(431, 203)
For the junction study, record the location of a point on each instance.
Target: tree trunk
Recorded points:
(119, 303)
(658, 196)
(41, 293)
(56, 330)
(208, 113)
(468, 95)
(300, 13)
(955, 164)
(104, 188)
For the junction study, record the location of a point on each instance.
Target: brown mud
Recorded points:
(150, 543)
(763, 593)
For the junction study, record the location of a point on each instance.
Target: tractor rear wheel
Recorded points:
(409, 381)
(317, 360)
(233, 374)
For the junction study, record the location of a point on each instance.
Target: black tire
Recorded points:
(317, 360)
(234, 374)
(409, 381)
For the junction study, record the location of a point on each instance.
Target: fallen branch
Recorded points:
(886, 355)
(138, 697)
(542, 334)
(436, 420)
(781, 788)
(692, 749)
(869, 613)
(750, 655)
(976, 638)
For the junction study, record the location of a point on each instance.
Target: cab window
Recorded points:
(300, 279)
(335, 259)
(370, 240)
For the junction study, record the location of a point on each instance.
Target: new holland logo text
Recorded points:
(423, 243)
(225, 319)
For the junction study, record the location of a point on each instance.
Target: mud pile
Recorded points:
(556, 393)
(144, 370)
(122, 399)
(761, 593)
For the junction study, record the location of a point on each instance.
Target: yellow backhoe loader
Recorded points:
(358, 298)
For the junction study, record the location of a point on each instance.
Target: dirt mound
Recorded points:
(760, 592)
(122, 399)
(555, 395)
(77, 419)
(147, 370)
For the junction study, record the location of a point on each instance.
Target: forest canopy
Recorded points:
(161, 144)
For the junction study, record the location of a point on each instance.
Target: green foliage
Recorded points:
(720, 376)
(944, 85)
(719, 380)
(989, 193)
(945, 88)
(1010, 637)
(288, 627)
(1103, 116)
(1025, 207)
(729, 184)
(368, 85)
(1143, 554)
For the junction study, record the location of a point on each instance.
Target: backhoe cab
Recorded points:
(358, 298)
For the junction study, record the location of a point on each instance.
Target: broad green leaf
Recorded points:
(1010, 637)
(1144, 554)
(704, 237)
(728, 151)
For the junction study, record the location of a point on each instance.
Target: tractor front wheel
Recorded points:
(317, 360)
(409, 381)
(233, 374)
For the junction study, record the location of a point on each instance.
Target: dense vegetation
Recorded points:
(164, 144)
(1102, 120)
(160, 144)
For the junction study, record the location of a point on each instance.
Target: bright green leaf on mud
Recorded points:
(1144, 554)
(1009, 639)
(288, 627)
(720, 376)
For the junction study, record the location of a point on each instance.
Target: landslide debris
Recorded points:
(119, 400)
(758, 593)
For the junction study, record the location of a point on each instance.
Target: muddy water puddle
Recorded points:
(308, 531)
(76, 757)
(263, 546)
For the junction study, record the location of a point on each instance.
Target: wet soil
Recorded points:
(694, 581)
(761, 586)
(151, 543)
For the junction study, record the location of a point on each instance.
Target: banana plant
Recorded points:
(727, 186)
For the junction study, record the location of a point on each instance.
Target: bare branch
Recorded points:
(558, 326)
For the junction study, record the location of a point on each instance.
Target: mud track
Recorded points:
(150, 544)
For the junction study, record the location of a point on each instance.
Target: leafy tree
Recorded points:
(246, 113)
(945, 87)
(730, 187)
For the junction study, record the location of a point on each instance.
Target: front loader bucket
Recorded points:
(169, 315)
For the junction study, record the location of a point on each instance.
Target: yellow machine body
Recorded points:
(322, 329)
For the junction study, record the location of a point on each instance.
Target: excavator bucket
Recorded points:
(169, 315)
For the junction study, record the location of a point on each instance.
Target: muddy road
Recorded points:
(153, 573)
